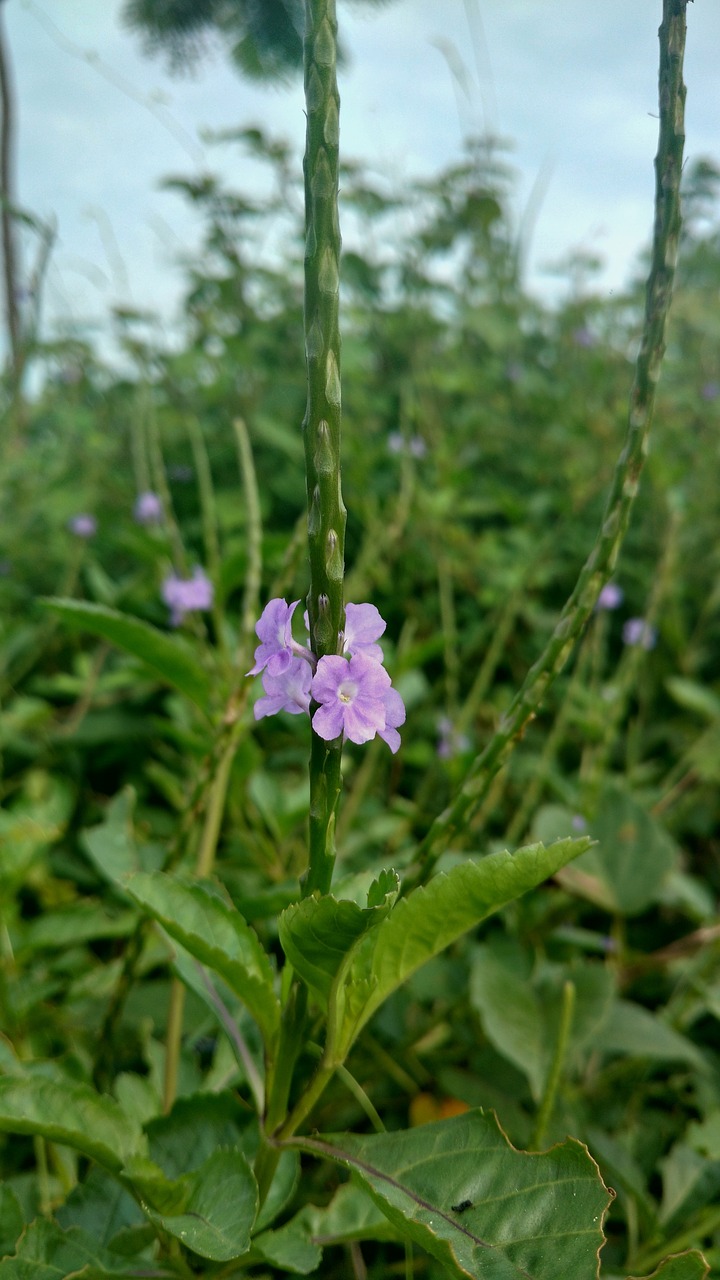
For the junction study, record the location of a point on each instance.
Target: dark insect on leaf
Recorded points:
(462, 1206)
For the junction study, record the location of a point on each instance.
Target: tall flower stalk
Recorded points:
(599, 566)
(321, 425)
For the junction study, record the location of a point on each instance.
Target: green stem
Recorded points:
(321, 425)
(173, 1043)
(567, 1009)
(253, 538)
(603, 557)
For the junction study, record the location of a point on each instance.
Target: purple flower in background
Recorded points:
(183, 595)
(611, 596)
(148, 508)
(584, 337)
(639, 632)
(710, 391)
(289, 691)
(83, 526)
(578, 822)
(363, 626)
(351, 696)
(414, 446)
(450, 742)
(276, 647)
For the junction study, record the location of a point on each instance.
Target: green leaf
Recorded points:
(681, 1266)
(352, 1214)
(520, 1010)
(317, 933)
(219, 1211)
(631, 1029)
(74, 924)
(46, 1252)
(634, 854)
(217, 935)
(198, 1124)
(690, 1181)
(169, 657)
(111, 845)
(35, 821)
(11, 1219)
(461, 1192)
(289, 1248)
(102, 1207)
(429, 920)
(694, 696)
(73, 1114)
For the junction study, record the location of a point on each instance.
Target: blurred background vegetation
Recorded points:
(481, 427)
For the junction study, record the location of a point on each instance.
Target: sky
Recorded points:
(571, 87)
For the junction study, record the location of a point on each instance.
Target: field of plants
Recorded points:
(406, 1052)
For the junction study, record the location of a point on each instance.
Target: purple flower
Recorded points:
(578, 822)
(352, 696)
(450, 742)
(83, 526)
(289, 691)
(363, 626)
(639, 632)
(584, 337)
(414, 446)
(183, 595)
(354, 693)
(710, 391)
(148, 508)
(611, 596)
(277, 646)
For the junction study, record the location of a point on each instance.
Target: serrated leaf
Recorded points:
(217, 935)
(168, 656)
(429, 920)
(73, 1114)
(461, 1192)
(219, 1211)
(681, 1266)
(317, 933)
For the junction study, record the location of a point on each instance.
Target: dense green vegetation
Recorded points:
(481, 428)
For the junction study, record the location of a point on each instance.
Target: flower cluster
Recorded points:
(353, 692)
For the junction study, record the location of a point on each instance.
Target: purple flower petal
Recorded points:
(275, 634)
(363, 626)
(289, 691)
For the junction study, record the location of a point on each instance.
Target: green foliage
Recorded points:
(461, 1192)
(153, 834)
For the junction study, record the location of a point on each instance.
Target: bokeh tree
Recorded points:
(263, 37)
